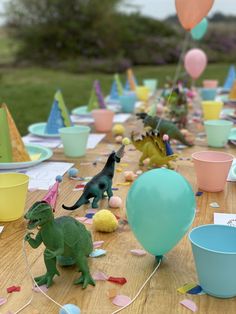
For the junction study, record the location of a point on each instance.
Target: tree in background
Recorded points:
(56, 30)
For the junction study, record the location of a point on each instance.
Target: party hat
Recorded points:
(5, 141)
(93, 102)
(59, 116)
(51, 196)
(131, 82)
(18, 150)
(121, 150)
(116, 88)
(99, 95)
(232, 94)
(230, 78)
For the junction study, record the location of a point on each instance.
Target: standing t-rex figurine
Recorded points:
(67, 242)
(164, 127)
(99, 184)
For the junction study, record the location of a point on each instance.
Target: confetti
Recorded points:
(138, 252)
(97, 244)
(88, 221)
(189, 304)
(98, 253)
(100, 276)
(119, 280)
(91, 211)
(111, 293)
(89, 215)
(115, 189)
(119, 169)
(198, 193)
(3, 300)
(195, 290)
(186, 287)
(13, 289)
(81, 219)
(121, 300)
(214, 205)
(123, 183)
(1, 229)
(38, 289)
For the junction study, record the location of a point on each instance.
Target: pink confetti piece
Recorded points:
(189, 304)
(43, 288)
(121, 300)
(3, 300)
(100, 276)
(89, 221)
(33, 189)
(91, 211)
(81, 219)
(138, 252)
(97, 244)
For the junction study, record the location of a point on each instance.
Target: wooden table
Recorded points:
(160, 295)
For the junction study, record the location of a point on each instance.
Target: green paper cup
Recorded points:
(217, 132)
(151, 84)
(74, 140)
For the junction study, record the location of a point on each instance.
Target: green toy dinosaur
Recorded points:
(99, 184)
(164, 127)
(152, 146)
(67, 242)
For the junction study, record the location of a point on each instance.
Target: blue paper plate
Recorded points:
(81, 111)
(232, 135)
(45, 153)
(38, 129)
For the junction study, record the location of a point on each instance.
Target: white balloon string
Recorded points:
(35, 284)
(141, 289)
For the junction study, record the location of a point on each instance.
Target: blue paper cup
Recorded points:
(208, 93)
(127, 102)
(214, 251)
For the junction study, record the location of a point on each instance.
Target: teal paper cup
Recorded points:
(208, 93)
(127, 102)
(151, 84)
(217, 132)
(214, 251)
(74, 140)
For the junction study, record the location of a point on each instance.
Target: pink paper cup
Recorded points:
(103, 119)
(212, 168)
(210, 83)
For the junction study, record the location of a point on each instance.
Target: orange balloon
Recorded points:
(191, 12)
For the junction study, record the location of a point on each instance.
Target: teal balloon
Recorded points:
(200, 29)
(160, 209)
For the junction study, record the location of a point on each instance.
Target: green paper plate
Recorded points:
(232, 135)
(45, 153)
(38, 129)
(81, 111)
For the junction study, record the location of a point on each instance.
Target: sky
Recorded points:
(160, 9)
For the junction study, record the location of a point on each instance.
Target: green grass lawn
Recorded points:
(29, 92)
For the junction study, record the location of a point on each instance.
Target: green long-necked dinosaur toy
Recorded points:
(67, 242)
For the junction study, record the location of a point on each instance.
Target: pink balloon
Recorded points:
(195, 62)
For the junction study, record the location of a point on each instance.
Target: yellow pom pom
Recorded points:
(126, 141)
(118, 129)
(105, 221)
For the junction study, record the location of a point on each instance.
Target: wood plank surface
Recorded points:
(160, 295)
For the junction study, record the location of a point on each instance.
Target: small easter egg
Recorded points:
(105, 221)
(118, 129)
(115, 202)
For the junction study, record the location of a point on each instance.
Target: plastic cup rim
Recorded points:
(17, 184)
(212, 161)
(204, 248)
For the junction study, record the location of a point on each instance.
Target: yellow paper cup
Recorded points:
(142, 93)
(211, 109)
(13, 192)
